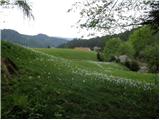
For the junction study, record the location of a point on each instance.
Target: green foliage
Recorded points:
(97, 41)
(141, 39)
(146, 43)
(111, 48)
(116, 47)
(126, 49)
(152, 57)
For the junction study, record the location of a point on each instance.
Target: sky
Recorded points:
(51, 18)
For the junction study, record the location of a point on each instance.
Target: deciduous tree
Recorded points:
(114, 16)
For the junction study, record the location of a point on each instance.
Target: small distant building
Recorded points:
(82, 48)
(96, 49)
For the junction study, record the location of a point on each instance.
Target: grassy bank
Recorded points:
(45, 86)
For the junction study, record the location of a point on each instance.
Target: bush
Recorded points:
(132, 65)
(114, 59)
(99, 56)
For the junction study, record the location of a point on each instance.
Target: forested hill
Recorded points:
(35, 41)
(98, 41)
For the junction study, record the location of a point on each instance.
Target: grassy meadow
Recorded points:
(69, 53)
(65, 83)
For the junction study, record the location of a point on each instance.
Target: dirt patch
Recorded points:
(8, 67)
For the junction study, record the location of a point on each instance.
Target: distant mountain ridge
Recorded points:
(33, 41)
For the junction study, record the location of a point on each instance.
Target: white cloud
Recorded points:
(51, 18)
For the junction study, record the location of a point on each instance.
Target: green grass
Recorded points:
(116, 70)
(46, 86)
(70, 53)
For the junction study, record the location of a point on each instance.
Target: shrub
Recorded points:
(114, 59)
(132, 65)
(99, 56)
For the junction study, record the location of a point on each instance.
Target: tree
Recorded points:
(152, 58)
(22, 4)
(126, 49)
(115, 47)
(116, 15)
(112, 48)
(146, 45)
(153, 17)
(142, 38)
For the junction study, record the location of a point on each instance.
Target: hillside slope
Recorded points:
(70, 53)
(39, 85)
(38, 41)
(98, 41)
